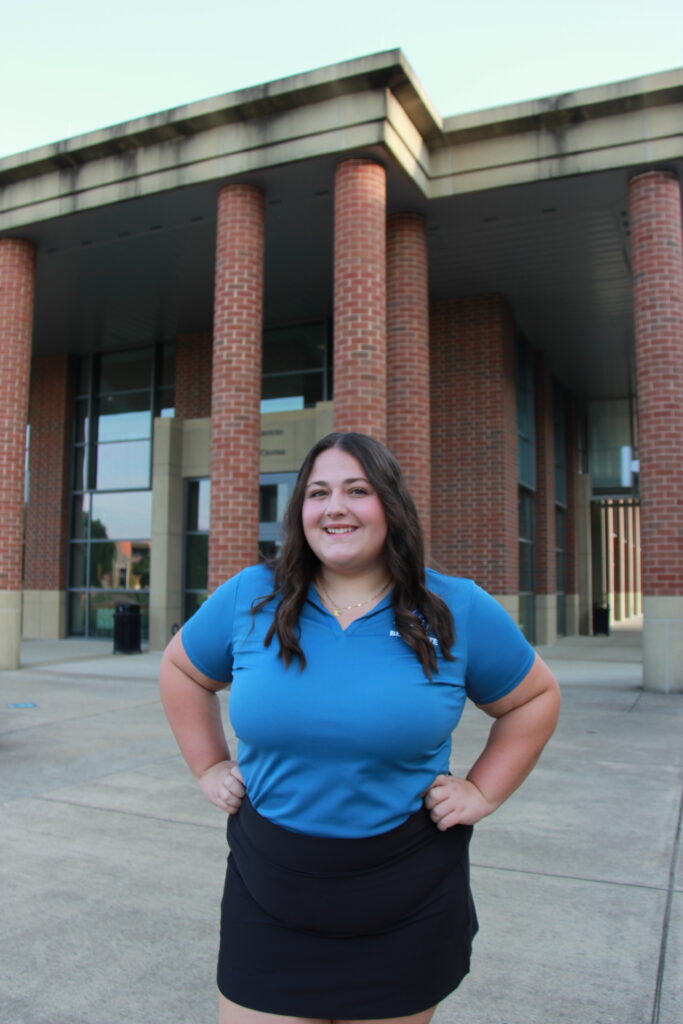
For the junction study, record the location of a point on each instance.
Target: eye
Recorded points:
(362, 491)
(318, 492)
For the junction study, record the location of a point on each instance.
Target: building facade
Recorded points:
(189, 300)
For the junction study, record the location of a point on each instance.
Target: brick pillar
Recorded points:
(193, 376)
(360, 401)
(47, 512)
(236, 381)
(546, 585)
(573, 516)
(631, 567)
(408, 431)
(474, 444)
(17, 283)
(657, 262)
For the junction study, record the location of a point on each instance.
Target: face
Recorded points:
(343, 518)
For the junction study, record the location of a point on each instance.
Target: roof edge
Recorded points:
(388, 69)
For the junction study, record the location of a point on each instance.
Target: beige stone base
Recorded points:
(573, 613)
(10, 628)
(663, 644)
(44, 614)
(546, 618)
(510, 603)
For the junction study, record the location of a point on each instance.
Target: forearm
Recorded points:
(514, 745)
(194, 715)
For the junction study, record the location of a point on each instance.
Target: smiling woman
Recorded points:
(347, 893)
(344, 524)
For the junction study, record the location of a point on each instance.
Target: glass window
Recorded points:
(77, 564)
(274, 493)
(197, 561)
(561, 568)
(526, 430)
(609, 429)
(302, 390)
(80, 479)
(124, 417)
(193, 602)
(77, 613)
(123, 465)
(196, 545)
(82, 421)
(198, 502)
(121, 564)
(295, 368)
(111, 522)
(527, 557)
(560, 418)
(79, 517)
(128, 514)
(298, 348)
(102, 609)
(122, 371)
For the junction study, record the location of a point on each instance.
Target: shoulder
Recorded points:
(249, 584)
(455, 591)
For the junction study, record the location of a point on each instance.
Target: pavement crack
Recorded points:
(571, 878)
(666, 921)
(124, 812)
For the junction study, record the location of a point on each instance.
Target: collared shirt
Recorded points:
(348, 746)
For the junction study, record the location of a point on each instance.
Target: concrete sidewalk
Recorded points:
(113, 863)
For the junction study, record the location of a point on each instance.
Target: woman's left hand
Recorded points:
(454, 801)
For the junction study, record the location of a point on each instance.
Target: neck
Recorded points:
(342, 585)
(348, 608)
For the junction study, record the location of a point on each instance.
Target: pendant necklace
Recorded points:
(338, 610)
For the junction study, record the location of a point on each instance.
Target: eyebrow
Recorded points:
(351, 480)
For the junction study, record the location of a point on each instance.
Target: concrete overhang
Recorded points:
(343, 109)
(367, 106)
(635, 123)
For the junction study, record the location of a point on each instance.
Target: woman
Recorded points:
(347, 891)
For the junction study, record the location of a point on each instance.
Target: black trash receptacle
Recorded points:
(127, 629)
(601, 619)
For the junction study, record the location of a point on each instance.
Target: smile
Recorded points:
(335, 530)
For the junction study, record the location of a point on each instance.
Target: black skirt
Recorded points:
(344, 928)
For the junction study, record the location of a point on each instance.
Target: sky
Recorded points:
(75, 66)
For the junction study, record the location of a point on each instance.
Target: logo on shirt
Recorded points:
(432, 639)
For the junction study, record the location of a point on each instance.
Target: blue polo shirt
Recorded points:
(348, 746)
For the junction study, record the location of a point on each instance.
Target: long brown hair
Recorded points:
(416, 609)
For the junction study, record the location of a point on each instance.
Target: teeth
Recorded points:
(339, 529)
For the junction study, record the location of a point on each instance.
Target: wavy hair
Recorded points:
(416, 609)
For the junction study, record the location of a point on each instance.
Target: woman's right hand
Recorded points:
(223, 785)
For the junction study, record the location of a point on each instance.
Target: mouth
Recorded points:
(338, 531)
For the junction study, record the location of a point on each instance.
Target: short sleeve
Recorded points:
(208, 636)
(498, 654)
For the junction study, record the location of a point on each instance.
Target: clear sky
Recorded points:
(72, 66)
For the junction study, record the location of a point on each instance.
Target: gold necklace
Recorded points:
(339, 609)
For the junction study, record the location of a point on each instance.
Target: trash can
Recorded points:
(601, 619)
(127, 629)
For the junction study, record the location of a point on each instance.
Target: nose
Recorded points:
(336, 506)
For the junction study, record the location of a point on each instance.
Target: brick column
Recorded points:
(408, 431)
(47, 512)
(573, 517)
(360, 298)
(546, 585)
(17, 283)
(193, 376)
(474, 444)
(236, 382)
(657, 262)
